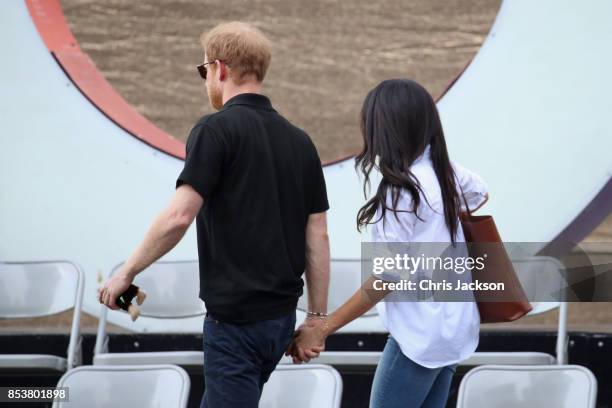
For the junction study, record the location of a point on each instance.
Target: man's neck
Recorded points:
(233, 90)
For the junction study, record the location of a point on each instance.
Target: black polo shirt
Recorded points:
(260, 178)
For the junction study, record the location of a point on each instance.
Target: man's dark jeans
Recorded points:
(239, 358)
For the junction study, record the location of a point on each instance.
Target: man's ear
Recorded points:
(223, 74)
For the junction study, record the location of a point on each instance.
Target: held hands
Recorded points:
(308, 340)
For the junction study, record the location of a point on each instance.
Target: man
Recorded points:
(254, 181)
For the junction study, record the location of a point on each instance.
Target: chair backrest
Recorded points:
(302, 386)
(34, 289)
(345, 278)
(151, 386)
(542, 281)
(44, 288)
(560, 386)
(172, 289)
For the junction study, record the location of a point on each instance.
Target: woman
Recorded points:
(418, 199)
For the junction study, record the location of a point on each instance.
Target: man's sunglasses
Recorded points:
(202, 68)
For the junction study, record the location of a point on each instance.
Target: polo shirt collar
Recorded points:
(250, 99)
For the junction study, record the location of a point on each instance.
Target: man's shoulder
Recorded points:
(202, 130)
(210, 120)
(224, 121)
(298, 131)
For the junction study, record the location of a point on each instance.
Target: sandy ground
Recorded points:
(327, 55)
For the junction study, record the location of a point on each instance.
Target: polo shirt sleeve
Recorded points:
(318, 202)
(206, 152)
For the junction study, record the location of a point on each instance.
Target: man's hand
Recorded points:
(308, 322)
(308, 341)
(113, 288)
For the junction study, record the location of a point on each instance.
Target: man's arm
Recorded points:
(317, 262)
(167, 230)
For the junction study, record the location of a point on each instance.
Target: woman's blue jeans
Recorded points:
(402, 383)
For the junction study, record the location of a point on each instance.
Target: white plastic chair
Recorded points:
(151, 386)
(172, 289)
(37, 289)
(559, 386)
(302, 386)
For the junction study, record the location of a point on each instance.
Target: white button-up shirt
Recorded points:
(432, 334)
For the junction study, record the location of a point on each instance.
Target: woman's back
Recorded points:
(433, 334)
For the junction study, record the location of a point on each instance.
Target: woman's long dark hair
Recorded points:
(399, 119)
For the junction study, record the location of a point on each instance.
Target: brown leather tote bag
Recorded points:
(483, 238)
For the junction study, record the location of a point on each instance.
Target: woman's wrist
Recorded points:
(329, 326)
